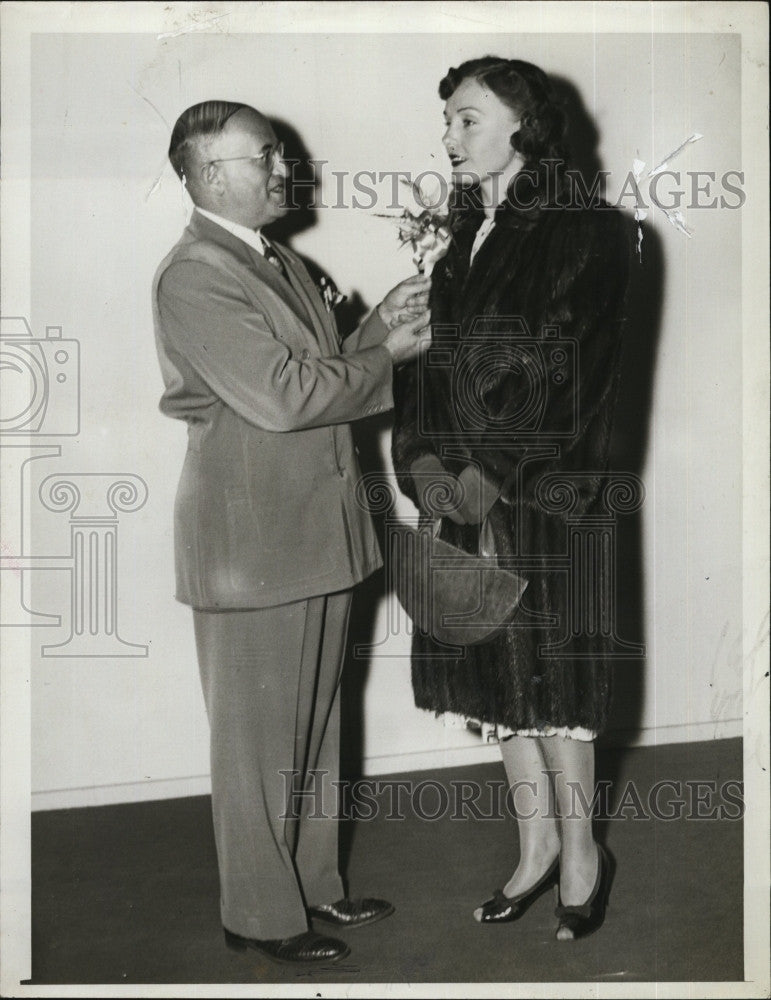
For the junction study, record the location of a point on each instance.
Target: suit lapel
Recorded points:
(303, 285)
(203, 228)
(286, 289)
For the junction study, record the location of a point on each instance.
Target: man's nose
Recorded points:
(279, 167)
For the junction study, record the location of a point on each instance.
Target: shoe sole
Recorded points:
(359, 923)
(245, 945)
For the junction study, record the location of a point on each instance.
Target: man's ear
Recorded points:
(211, 177)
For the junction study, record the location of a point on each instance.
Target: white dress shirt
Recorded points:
(252, 237)
(482, 233)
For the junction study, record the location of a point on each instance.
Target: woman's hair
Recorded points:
(525, 89)
(201, 121)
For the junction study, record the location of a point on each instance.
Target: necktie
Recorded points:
(273, 258)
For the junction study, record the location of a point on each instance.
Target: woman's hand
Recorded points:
(405, 301)
(480, 493)
(465, 499)
(439, 492)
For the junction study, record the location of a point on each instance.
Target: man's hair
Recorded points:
(201, 121)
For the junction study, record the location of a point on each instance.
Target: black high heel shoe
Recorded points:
(502, 908)
(581, 921)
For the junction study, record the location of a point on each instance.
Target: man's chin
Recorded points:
(279, 211)
(277, 202)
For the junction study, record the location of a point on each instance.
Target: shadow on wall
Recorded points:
(581, 137)
(629, 449)
(302, 192)
(303, 215)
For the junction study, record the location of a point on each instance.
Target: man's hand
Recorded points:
(409, 339)
(406, 300)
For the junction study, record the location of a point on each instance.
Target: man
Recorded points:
(269, 536)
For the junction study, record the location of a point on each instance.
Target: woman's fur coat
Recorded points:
(524, 400)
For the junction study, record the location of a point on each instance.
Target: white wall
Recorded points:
(105, 209)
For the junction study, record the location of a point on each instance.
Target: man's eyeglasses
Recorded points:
(267, 156)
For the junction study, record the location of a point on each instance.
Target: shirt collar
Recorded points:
(482, 233)
(252, 237)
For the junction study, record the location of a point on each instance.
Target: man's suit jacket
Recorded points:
(266, 510)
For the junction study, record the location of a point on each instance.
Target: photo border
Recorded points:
(19, 22)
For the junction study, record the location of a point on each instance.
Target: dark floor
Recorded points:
(128, 894)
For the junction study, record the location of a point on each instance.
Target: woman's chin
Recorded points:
(462, 177)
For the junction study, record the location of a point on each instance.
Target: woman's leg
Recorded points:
(571, 763)
(539, 839)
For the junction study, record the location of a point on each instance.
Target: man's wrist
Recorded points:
(393, 353)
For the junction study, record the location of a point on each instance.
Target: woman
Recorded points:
(487, 422)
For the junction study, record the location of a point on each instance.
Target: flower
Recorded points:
(424, 225)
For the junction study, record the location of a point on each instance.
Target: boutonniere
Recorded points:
(330, 295)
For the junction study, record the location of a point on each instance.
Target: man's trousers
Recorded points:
(271, 682)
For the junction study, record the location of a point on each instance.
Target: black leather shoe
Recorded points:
(502, 908)
(581, 921)
(304, 948)
(352, 912)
